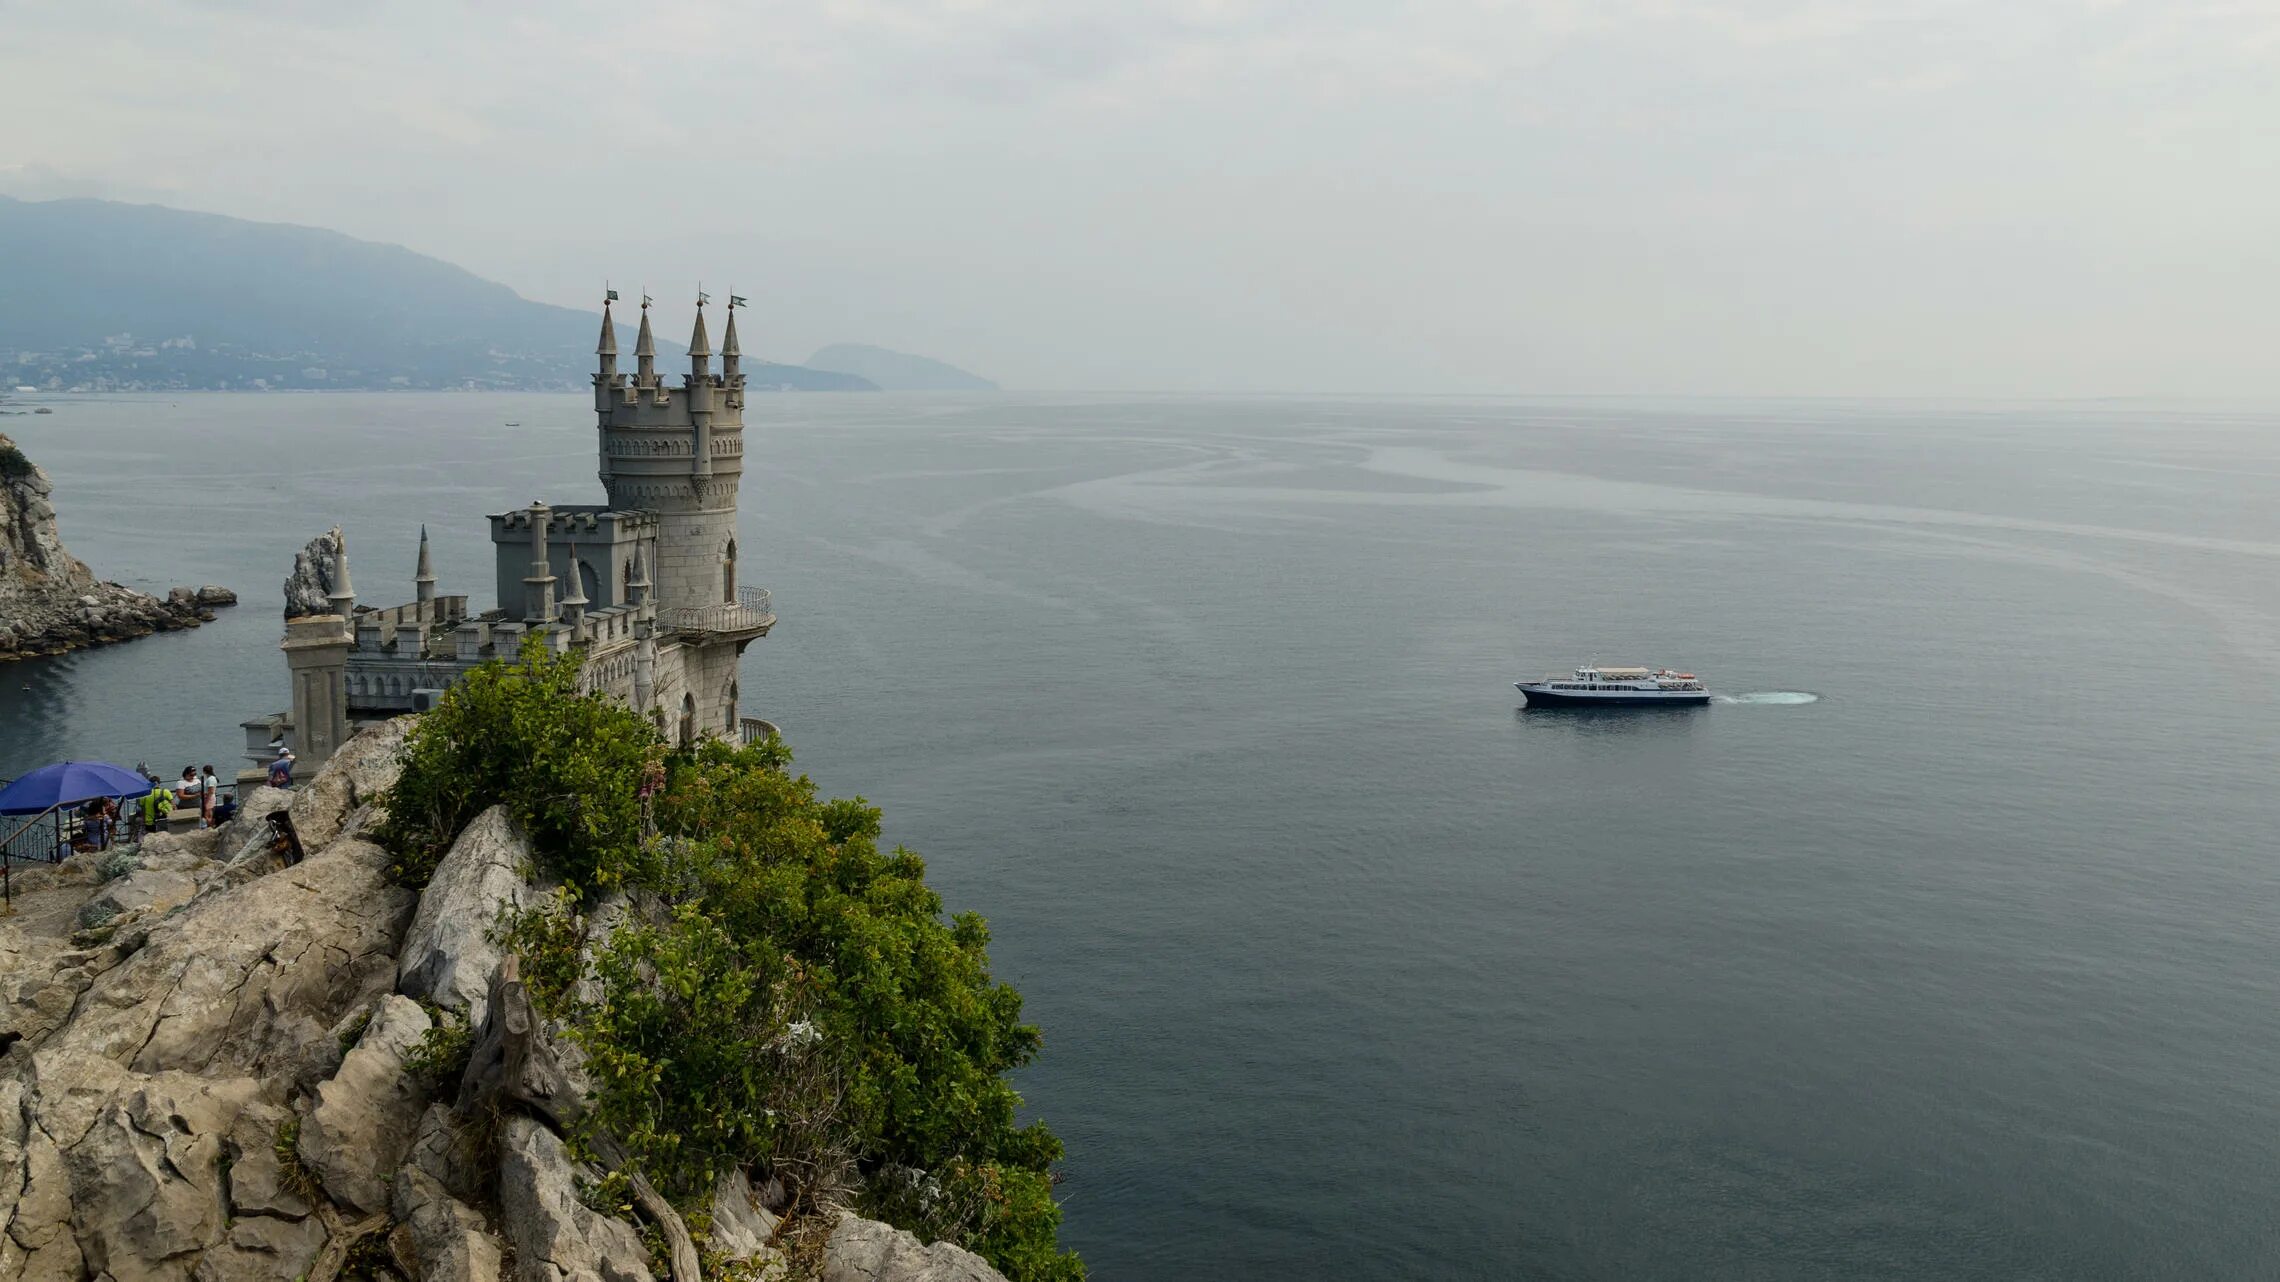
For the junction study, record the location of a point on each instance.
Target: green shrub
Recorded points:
(566, 764)
(119, 863)
(13, 465)
(789, 1000)
(440, 1058)
(96, 914)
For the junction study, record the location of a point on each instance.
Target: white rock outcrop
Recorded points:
(448, 956)
(216, 1081)
(50, 601)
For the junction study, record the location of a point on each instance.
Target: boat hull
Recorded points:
(1539, 697)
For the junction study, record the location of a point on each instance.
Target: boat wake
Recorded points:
(1768, 697)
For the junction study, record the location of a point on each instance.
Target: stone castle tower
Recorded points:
(644, 584)
(677, 452)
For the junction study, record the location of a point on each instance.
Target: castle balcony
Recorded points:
(750, 613)
(752, 730)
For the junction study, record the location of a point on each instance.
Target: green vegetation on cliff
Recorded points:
(754, 982)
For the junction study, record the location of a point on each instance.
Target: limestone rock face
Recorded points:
(867, 1251)
(50, 601)
(366, 1115)
(252, 978)
(448, 957)
(741, 1227)
(309, 587)
(556, 1237)
(438, 1237)
(356, 773)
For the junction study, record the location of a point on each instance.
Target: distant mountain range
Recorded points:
(99, 295)
(897, 371)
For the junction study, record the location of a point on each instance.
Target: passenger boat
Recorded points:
(1616, 687)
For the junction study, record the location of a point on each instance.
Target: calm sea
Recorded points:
(1348, 968)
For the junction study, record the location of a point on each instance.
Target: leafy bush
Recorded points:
(13, 465)
(440, 1058)
(118, 863)
(96, 914)
(787, 997)
(567, 765)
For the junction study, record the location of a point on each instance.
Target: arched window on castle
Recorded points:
(728, 572)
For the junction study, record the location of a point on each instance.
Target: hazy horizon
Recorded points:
(1620, 198)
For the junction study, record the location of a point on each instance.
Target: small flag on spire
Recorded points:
(611, 295)
(736, 300)
(703, 298)
(645, 300)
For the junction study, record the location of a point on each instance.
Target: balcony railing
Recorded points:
(751, 730)
(751, 611)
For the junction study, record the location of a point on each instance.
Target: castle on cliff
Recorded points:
(644, 583)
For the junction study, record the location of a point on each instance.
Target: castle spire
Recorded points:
(730, 353)
(608, 345)
(700, 348)
(645, 350)
(637, 578)
(423, 579)
(574, 600)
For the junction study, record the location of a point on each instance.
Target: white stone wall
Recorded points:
(690, 546)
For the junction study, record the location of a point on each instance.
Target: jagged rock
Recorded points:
(252, 978)
(260, 1249)
(448, 957)
(556, 1237)
(448, 1153)
(308, 588)
(359, 771)
(741, 1227)
(50, 601)
(438, 1237)
(367, 1113)
(141, 1157)
(151, 889)
(180, 851)
(863, 1250)
(258, 1185)
(210, 594)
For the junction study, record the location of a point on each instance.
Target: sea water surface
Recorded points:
(1947, 950)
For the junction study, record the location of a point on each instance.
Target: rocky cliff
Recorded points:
(215, 1065)
(50, 601)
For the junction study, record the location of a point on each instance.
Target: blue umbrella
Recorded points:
(68, 783)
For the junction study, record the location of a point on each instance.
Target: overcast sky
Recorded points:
(2005, 197)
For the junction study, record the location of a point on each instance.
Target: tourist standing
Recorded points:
(281, 770)
(209, 795)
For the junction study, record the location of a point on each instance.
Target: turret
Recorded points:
(538, 585)
(423, 580)
(637, 581)
(700, 349)
(606, 372)
(700, 392)
(574, 598)
(645, 352)
(342, 596)
(731, 355)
